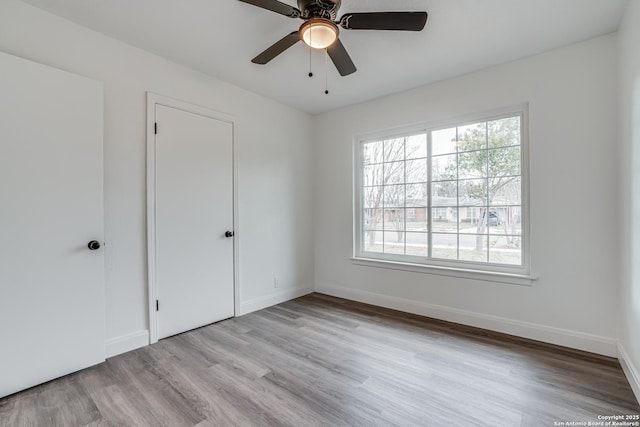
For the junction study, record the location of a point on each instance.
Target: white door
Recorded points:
(193, 211)
(51, 284)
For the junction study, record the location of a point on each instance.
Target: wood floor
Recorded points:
(320, 360)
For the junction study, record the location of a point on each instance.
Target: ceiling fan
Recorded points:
(320, 30)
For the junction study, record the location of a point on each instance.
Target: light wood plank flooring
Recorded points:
(319, 360)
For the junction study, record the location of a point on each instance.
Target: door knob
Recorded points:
(93, 245)
(228, 234)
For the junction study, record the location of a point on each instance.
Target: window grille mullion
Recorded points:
(487, 216)
(429, 181)
(384, 192)
(362, 189)
(457, 194)
(404, 203)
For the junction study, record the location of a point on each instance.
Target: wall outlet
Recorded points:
(276, 282)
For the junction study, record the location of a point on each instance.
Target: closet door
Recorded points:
(51, 197)
(193, 220)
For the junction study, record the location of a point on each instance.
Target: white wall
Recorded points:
(273, 146)
(572, 96)
(629, 191)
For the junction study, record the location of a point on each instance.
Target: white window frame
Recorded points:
(519, 274)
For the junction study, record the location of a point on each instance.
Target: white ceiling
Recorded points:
(219, 38)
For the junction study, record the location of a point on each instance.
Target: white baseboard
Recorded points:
(630, 370)
(138, 339)
(273, 299)
(564, 337)
(125, 343)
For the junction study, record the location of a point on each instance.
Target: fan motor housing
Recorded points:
(327, 9)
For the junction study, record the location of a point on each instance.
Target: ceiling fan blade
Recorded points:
(341, 58)
(403, 21)
(277, 48)
(276, 6)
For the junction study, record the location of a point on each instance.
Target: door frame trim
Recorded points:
(154, 99)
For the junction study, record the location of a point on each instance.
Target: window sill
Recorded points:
(487, 276)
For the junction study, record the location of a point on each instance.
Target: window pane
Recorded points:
(372, 197)
(444, 193)
(417, 244)
(372, 175)
(481, 223)
(504, 161)
(394, 242)
(393, 173)
(416, 146)
(372, 241)
(507, 191)
(372, 219)
(495, 221)
(470, 220)
(416, 195)
(473, 247)
(472, 192)
(443, 141)
(508, 221)
(416, 219)
(444, 167)
(394, 196)
(504, 132)
(472, 164)
(445, 219)
(372, 152)
(394, 150)
(393, 219)
(416, 170)
(505, 250)
(444, 246)
(472, 137)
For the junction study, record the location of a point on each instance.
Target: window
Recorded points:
(445, 196)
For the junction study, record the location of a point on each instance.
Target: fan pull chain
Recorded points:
(310, 41)
(310, 72)
(326, 72)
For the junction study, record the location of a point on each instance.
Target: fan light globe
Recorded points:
(319, 33)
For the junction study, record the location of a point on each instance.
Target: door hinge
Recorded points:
(155, 128)
(157, 306)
